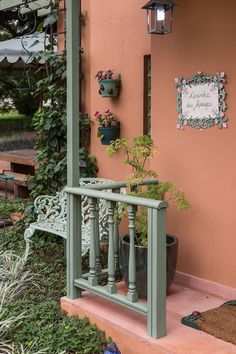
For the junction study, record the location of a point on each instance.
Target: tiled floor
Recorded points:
(128, 329)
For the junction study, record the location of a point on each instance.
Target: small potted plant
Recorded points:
(109, 86)
(136, 155)
(109, 127)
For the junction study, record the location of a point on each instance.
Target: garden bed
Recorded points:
(46, 327)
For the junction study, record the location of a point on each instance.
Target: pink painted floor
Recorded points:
(128, 329)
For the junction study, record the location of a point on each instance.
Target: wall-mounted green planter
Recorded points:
(109, 88)
(107, 134)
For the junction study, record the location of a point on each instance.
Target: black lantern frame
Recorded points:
(159, 16)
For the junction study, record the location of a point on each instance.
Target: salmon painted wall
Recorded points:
(202, 163)
(118, 41)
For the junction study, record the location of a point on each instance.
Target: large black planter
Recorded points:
(141, 255)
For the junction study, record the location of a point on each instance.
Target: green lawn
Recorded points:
(11, 115)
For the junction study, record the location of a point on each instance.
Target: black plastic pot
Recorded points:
(141, 254)
(108, 134)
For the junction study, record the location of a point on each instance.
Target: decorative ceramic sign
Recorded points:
(201, 101)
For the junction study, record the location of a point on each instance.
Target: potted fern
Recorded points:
(109, 84)
(136, 154)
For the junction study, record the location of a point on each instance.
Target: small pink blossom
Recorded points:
(222, 114)
(222, 74)
(176, 80)
(225, 125)
(221, 86)
(185, 122)
(216, 121)
(184, 81)
(178, 90)
(214, 78)
(96, 113)
(199, 72)
(180, 116)
(178, 126)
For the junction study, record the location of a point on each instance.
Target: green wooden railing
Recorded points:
(155, 308)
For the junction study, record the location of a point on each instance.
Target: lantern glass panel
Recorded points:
(159, 21)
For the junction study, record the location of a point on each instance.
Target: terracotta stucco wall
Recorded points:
(118, 41)
(203, 163)
(200, 163)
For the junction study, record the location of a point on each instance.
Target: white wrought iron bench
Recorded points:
(52, 214)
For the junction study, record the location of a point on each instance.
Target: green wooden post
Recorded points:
(132, 294)
(157, 272)
(97, 239)
(92, 279)
(111, 286)
(74, 270)
(117, 237)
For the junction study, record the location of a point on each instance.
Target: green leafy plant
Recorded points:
(137, 152)
(35, 322)
(50, 125)
(160, 191)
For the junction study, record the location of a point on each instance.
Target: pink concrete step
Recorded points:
(128, 329)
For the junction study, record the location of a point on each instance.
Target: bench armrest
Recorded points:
(51, 208)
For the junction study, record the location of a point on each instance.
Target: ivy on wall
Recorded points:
(50, 125)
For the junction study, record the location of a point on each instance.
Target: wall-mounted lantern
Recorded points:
(159, 16)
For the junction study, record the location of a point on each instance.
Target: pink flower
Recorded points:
(107, 111)
(215, 78)
(199, 72)
(222, 114)
(184, 82)
(178, 90)
(216, 121)
(176, 80)
(222, 74)
(221, 86)
(96, 113)
(225, 125)
(185, 122)
(180, 116)
(178, 126)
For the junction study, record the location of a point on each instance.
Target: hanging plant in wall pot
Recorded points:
(109, 86)
(109, 134)
(109, 126)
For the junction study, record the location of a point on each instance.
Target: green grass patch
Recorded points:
(14, 122)
(12, 115)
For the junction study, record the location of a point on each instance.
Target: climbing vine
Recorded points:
(50, 125)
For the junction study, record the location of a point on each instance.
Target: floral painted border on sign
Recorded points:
(212, 82)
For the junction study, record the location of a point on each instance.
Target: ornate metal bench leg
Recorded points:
(29, 232)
